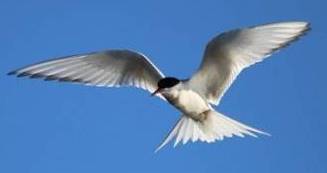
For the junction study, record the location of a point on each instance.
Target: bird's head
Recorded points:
(165, 83)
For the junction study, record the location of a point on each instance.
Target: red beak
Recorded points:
(156, 92)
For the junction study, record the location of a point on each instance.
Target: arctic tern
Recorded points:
(225, 56)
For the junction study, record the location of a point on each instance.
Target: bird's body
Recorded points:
(225, 56)
(188, 101)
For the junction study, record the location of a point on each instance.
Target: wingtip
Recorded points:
(23, 74)
(307, 26)
(11, 73)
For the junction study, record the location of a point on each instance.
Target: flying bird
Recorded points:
(225, 56)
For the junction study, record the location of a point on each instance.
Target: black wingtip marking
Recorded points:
(36, 76)
(78, 81)
(51, 78)
(23, 74)
(12, 73)
(65, 79)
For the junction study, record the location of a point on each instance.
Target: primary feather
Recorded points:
(229, 53)
(105, 68)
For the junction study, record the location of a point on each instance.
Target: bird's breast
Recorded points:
(187, 101)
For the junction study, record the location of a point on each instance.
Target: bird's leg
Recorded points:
(202, 116)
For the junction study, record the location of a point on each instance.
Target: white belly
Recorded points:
(188, 101)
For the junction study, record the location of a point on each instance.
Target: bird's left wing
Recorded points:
(230, 52)
(111, 68)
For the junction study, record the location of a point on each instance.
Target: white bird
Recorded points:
(224, 58)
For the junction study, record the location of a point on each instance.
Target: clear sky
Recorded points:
(55, 127)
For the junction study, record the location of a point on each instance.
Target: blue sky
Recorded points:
(56, 127)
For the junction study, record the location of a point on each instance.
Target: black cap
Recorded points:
(168, 82)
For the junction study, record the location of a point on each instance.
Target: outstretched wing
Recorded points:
(112, 68)
(230, 52)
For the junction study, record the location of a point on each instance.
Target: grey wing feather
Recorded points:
(230, 52)
(111, 68)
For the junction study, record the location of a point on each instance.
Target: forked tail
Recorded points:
(216, 126)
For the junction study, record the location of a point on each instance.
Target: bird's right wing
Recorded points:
(106, 68)
(230, 52)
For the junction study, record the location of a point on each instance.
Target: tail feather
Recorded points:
(215, 127)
